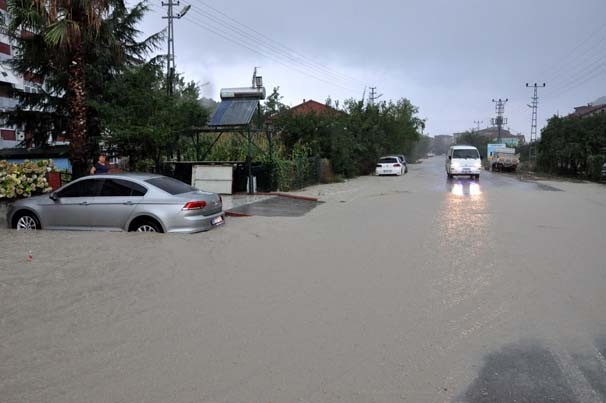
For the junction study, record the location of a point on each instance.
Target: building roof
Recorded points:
(312, 106)
(587, 110)
(308, 107)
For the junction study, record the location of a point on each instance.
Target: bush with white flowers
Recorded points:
(24, 180)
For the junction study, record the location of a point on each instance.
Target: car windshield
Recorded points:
(170, 185)
(466, 153)
(388, 161)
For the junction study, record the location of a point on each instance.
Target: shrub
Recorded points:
(594, 166)
(24, 180)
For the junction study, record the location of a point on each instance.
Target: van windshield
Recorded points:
(466, 153)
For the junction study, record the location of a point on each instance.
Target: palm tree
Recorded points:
(76, 47)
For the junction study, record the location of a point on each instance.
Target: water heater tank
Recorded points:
(243, 93)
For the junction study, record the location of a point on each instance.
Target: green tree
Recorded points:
(75, 48)
(573, 145)
(354, 137)
(145, 123)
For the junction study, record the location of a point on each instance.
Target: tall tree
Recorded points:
(75, 47)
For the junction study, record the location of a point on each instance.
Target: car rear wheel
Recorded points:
(146, 225)
(26, 221)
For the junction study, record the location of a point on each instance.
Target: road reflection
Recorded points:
(464, 240)
(464, 187)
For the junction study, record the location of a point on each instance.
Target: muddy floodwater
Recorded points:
(412, 288)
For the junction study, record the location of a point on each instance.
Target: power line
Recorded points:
(588, 74)
(249, 31)
(252, 41)
(573, 63)
(556, 66)
(254, 50)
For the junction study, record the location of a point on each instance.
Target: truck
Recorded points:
(504, 159)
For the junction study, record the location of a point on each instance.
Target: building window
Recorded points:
(5, 91)
(31, 88)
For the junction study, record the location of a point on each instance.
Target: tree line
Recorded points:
(352, 135)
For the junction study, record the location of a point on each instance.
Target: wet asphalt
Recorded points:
(413, 289)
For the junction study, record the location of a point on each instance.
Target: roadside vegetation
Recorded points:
(573, 146)
(99, 89)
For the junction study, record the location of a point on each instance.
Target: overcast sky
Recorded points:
(449, 57)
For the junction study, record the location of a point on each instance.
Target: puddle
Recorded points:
(277, 207)
(529, 372)
(520, 373)
(547, 188)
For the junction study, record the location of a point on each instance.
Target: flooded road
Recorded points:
(413, 288)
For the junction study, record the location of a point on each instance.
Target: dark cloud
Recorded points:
(449, 57)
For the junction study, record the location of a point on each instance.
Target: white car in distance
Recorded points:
(389, 165)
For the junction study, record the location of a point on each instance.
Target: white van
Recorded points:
(463, 160)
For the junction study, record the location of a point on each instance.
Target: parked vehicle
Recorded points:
(120, 202)
(403, 160)
(390, 165)
(463, 160)
(504, 159)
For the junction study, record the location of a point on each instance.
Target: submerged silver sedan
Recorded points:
(120, 202)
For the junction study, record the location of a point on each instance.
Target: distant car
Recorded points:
(429, 155)
(403, 160)
(120, 202)
(463, 160)
(391, 165)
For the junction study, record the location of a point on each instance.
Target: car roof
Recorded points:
(143, 176)
(388, 156)
(463, 147)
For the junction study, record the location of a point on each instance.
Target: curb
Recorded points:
(288, 195)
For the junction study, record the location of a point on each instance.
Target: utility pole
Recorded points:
(477, 123)
(372, 97)
(499, 121)
(170, 54)
(533, 125)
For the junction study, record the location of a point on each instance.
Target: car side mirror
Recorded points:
(450, 157)
(53, 196)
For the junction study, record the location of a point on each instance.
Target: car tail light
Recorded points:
(397, 165)
(194, 205)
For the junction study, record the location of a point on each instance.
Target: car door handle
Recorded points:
(84, 203)
(128, 203)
